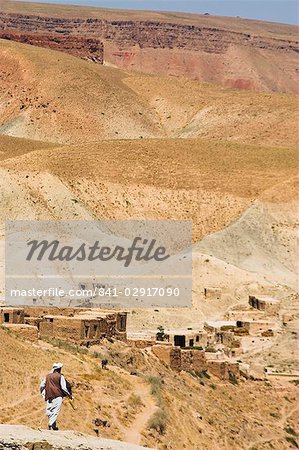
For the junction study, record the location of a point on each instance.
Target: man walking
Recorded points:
(53, 389)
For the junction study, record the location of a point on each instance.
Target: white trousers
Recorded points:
(53, 409)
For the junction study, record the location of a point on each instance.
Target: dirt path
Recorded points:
(133, 433)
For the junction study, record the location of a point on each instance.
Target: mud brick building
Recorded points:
(223, 325)
(212, 293)
(195, 360)
(187, 338)
(262, 303)
(168, 354)
(223, 369)
(244, 314)
(85, 328)
(257, 327)
(11, 315)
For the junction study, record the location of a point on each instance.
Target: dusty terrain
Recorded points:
(208, 415)
(19, 436)
(51, 96)
(232, 52)
(217, 144)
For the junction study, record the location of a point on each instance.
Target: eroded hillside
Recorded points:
(51, 96)
(232, 52)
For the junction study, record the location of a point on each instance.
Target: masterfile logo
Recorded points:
(140, 249)
(99, 263)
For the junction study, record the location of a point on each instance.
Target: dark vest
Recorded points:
(53, 388)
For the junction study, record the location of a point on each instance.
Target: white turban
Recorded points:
(57, 366)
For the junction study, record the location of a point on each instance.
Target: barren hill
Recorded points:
(51, 96)
(59, 98)
(229, 51)
(210, 182)
(264, 239)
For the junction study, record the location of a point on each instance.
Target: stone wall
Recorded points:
(211, 293)
(169, 355)
(194, 360)
(140, 343)
(223, 369)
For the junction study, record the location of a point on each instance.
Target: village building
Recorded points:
(221, 325)
(86, 328)
(11, 315)
(196, 361)
(14, 320)
(257, 327)
(186, 338)
(244, 314)
(212, 293)
(178, 338)
(263, 303)
(141, 339)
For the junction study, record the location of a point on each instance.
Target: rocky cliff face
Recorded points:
(81, 47)
(229, 57)
(145, 34)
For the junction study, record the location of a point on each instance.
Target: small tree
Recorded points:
(160, 335)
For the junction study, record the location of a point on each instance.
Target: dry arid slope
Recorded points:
(229, 51)
(216, 144)
(207, 415)
(210, 182)
(213, 183)
(264, 239)
(51, 96)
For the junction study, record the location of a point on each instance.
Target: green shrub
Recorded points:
(158, 421)
(135, 401)
(232, 378)
(292, 441)
(160, 335)
(202, 374)
(291, 431)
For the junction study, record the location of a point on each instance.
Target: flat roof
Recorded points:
(97, 314)
(266, 298)
(222, 323)
(259, 321)
(11, 308)
(183, 331)
(71, 317)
